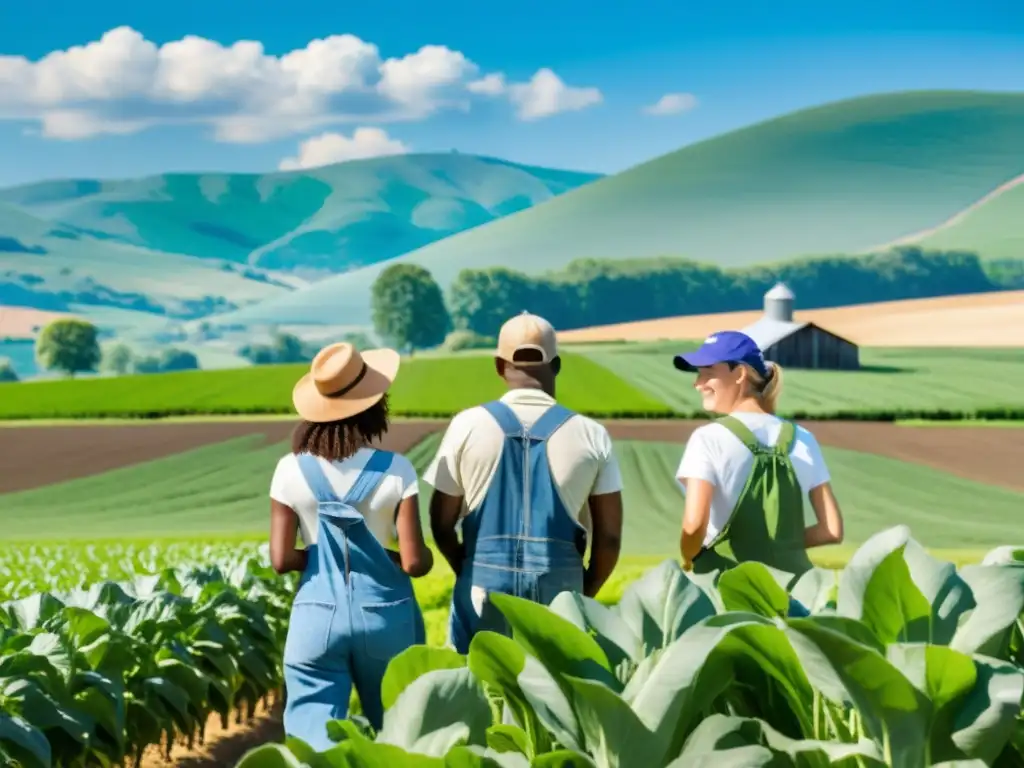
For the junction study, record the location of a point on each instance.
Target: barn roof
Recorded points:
(766, 331)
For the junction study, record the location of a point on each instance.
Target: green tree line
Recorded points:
(410, 311)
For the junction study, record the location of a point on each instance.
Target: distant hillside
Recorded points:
(323, 219)
(993, 227)
(839, 178)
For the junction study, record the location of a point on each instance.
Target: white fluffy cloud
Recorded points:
(123, 83)
(330, 148)
(542, 96)
(672, 104)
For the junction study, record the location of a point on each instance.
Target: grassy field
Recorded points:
(428, 386)
(912, 382)
(221, 490)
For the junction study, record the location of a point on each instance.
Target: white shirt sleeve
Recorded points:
(282, 484)
(443, 473)
(609, 477)
(406, 474)
(809, 463)
(698, 460)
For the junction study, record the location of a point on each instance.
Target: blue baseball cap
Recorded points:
(724, 347)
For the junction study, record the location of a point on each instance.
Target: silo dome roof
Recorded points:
(780, 291)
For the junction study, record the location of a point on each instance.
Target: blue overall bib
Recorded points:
(354, 611)
(520, 540)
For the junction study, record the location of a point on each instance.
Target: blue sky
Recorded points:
(741, 62)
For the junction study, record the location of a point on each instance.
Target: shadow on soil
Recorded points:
(227, 750)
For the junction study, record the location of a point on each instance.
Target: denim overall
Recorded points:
(353, 612)
(520, 540)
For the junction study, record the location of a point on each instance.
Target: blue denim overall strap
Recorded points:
(520, 540)
(353, 612)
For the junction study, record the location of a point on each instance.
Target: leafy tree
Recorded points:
(408, 307)
(69, 345)
(7, 372)
(174, 359)
(119, 359)
(283, 348)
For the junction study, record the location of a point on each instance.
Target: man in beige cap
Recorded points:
(530, 482)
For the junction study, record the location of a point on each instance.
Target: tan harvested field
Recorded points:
(23, 323)
(36, 456)
(976, 320)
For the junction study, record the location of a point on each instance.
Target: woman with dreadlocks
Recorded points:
(356, 509)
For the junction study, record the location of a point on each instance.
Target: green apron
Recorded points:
(767, 523)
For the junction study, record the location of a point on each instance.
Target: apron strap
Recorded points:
(315, 478)
(369, 477)
(549, 422)
(505, 417)
(742, 432)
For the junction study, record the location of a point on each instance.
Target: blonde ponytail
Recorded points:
(767, 391)
(769, 395)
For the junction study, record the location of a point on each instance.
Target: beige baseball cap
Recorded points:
(526, 331)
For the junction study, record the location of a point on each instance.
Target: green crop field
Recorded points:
(893, 382)
(428, 386)
(221, 489)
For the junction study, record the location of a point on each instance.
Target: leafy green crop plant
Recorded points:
(897, 660)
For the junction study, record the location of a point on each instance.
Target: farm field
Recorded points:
(892, 383)
(186, 502)
(605, 380)
(189, 479)
(427, 386)
(972, 320)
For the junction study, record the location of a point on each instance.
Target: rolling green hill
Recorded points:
(842, 177)
(328, 219)
(994, 228)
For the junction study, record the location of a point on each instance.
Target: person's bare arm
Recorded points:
(284, 524)
(828, 527)
(444, 516)
(416, 557)
(606, 518)
(696, 515)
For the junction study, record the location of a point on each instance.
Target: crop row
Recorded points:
(94, 674)
(898, 660)
(425, 387)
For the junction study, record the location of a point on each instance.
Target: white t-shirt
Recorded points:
(379, 508)
(716, 455)
(580, 455)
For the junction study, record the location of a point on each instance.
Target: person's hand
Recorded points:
(687, 565)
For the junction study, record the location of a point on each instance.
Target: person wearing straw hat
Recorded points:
(356, 509)
(530, 483)
(745, 474)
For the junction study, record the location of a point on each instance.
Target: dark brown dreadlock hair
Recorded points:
(337, 440)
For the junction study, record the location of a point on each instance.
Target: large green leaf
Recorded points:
(269, 756)
(410, 664)
(876, 588)
(662, 604)
(945, 677)
(691, 673)
(437, 711)
(999, 593)
(945, 590)
(751, 588)
(817, 589)
(479, 757)
(616, 639)
(894, 712)
(727, 740)
(562, 758)
(24, 742)
(535, 699)
(612, 733)
(989, 717)
(559, 645)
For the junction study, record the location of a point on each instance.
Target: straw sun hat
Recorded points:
(343, 382)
